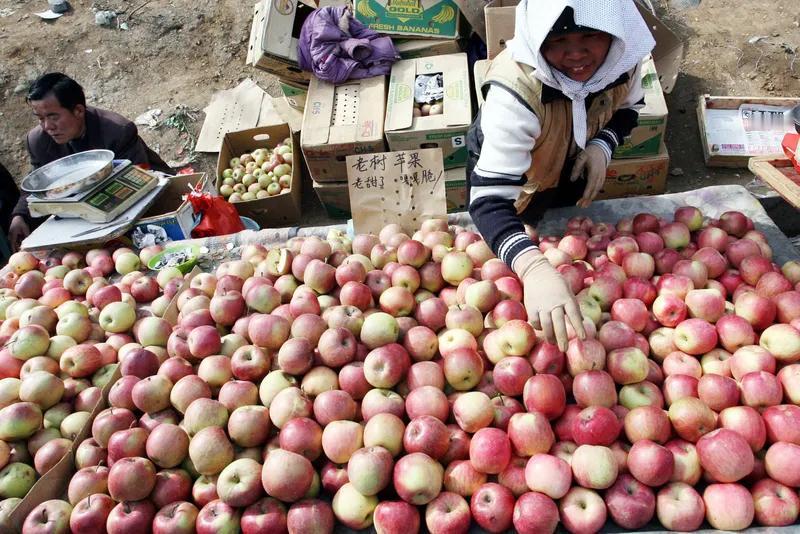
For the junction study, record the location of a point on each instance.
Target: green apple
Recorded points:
(16, 480)
(117, 317)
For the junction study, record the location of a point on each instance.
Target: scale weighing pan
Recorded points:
(69, 175)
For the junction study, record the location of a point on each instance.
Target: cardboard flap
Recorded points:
(457, 101)
(318, 113)
(400, 102)
(231, 110)
(255, 32)
(405, 187)
(668, 52)
(372, 104)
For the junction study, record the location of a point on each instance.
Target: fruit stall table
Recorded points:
(712, 201)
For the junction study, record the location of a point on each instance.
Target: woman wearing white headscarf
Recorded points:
(559, 100)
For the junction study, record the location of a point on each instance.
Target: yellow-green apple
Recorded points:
(369, 470)
(204, 490)
(456, 338)
(29, 341)
(381, 401)
(89, 453)
(582, 510)
(287, 404)
(691, 418)
(178, 517)
(41, 388)
(728, 506)
(679, 507)
(379, 329)
(385, 430)
(627, 365)
(353, 509)
(239, 484)
(417, 478)
(783, 342)
(217, 516)
(747, 422)
(131, 479)
(210, 450)
(19, 421)
(249, 426)
(16, 479)
(760, 389)
(456, 266)
(117, 317)
(687, 462)
(464, 316)
(535, 513)
(605, 290)
(775, 504)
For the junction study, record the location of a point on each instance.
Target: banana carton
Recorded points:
(418, 18)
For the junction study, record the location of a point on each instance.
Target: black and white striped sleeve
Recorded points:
(510, 129)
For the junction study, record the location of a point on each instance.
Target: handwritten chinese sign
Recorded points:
(403, 187)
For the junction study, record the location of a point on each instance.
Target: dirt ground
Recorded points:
(179, 52)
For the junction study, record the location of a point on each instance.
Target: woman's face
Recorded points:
(577, 55)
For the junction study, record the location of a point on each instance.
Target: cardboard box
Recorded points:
(342, 120)
(447, 131)
(473, 12)
(418, 18)
(646, 138)
(173, 212)
(273, 38)
(414, 48)
(294, 93)
(335, 197)
(725, 143)
(479, 75)
(668, 52)
(280, 210)
(634, 177)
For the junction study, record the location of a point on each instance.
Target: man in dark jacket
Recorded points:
(67, 126)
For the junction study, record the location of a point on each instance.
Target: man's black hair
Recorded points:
(67, 91)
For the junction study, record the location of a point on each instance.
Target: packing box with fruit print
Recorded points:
(339, 121)
(407, 130)
(275, 211)
(417, 18)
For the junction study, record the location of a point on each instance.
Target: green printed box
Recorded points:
(646, 139)
(418, 18)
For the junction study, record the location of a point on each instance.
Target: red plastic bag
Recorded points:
(791, 146)
(219, 217)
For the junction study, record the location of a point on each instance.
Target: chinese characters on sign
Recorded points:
(404, 187)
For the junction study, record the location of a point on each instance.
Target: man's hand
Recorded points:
(594, 163)
(548, 299)
(17, 231)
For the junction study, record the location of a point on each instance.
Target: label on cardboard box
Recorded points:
(421, 18)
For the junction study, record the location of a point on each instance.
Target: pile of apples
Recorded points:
(393, 381)
(424, 109)
(263, 173)
(59, 319)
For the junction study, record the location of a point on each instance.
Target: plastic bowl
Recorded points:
(185, 261)
(250, 224)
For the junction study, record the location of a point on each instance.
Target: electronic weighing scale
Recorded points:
(104, 202)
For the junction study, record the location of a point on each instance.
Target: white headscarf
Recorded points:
(632, 41)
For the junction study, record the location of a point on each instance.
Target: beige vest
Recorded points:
(556, 142)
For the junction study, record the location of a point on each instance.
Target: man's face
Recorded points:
(577, 55)
(60, 123)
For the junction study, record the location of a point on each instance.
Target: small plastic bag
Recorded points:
(219, 217)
